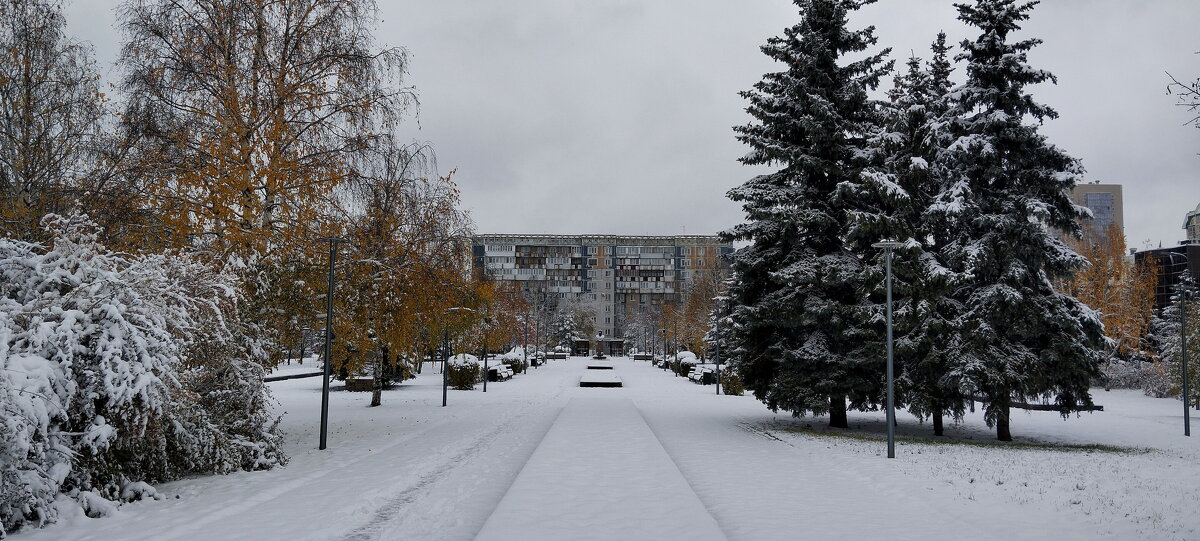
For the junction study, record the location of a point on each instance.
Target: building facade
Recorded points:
(618, 279)
(1172, 265)
(1107, 206)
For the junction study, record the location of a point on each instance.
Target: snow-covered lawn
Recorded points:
(414, 470)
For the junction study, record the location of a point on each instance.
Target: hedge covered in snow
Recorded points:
(116, 370)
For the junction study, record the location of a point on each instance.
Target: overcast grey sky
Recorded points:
(614, 116)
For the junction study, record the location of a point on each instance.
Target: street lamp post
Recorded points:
(327, 371)
(717, 349)
(445, 363)
(1183, 355)
(525, 347)
(663, 333)
(487, 325)
(1183, 352)
(675, 346)
(888, 246)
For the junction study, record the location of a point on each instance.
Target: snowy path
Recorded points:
(600, 474)
(663, 458)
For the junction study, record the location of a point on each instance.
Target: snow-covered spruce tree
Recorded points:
(90, 392)
(796, 333)
(890, 200)
(1004, 187)
(1168, 332)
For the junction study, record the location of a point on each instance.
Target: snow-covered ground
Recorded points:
(670, 455)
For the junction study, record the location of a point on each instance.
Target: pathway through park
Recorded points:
(538, 457)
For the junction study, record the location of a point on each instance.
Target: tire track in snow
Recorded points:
(393, 508)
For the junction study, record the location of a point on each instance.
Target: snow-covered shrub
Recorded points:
(99, 375)
(1122, 375)
(465, 372)
(731, 384)
(683, 362)
(514, 360)
(1157, 380)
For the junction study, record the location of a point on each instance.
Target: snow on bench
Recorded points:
(600, 473)
(599, 379)
(600, 365)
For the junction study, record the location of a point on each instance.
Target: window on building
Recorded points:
(700, 263)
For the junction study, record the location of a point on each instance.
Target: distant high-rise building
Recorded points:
(1107, 208)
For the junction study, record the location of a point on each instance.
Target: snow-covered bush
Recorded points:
(731, 383)
(683, 362)
(1157, 380)
(514, 360)
(1122, 375)
(465, 372)
(110, 374)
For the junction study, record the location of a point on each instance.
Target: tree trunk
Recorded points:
(377, 380)
(937, 423)
(837, 412)
(1002, 429)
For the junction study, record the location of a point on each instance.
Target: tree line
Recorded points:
(161, 243)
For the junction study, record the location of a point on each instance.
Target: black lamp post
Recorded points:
(445, 362)
(1183, 350)
(663, 333)
(333, 242)
(487, 326)
(888, 246)
(717, 349)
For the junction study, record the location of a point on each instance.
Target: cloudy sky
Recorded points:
(614, 116)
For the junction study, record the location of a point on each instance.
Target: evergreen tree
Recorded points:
(1168, 332)
(893, 197)
(1003, 187)
(796, 331)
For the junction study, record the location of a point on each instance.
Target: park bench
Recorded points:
(499, 373)
(702, 375)
(643, 357)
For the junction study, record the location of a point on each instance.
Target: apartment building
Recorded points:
(618, 278)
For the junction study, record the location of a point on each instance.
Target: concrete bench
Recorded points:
(600, 379)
